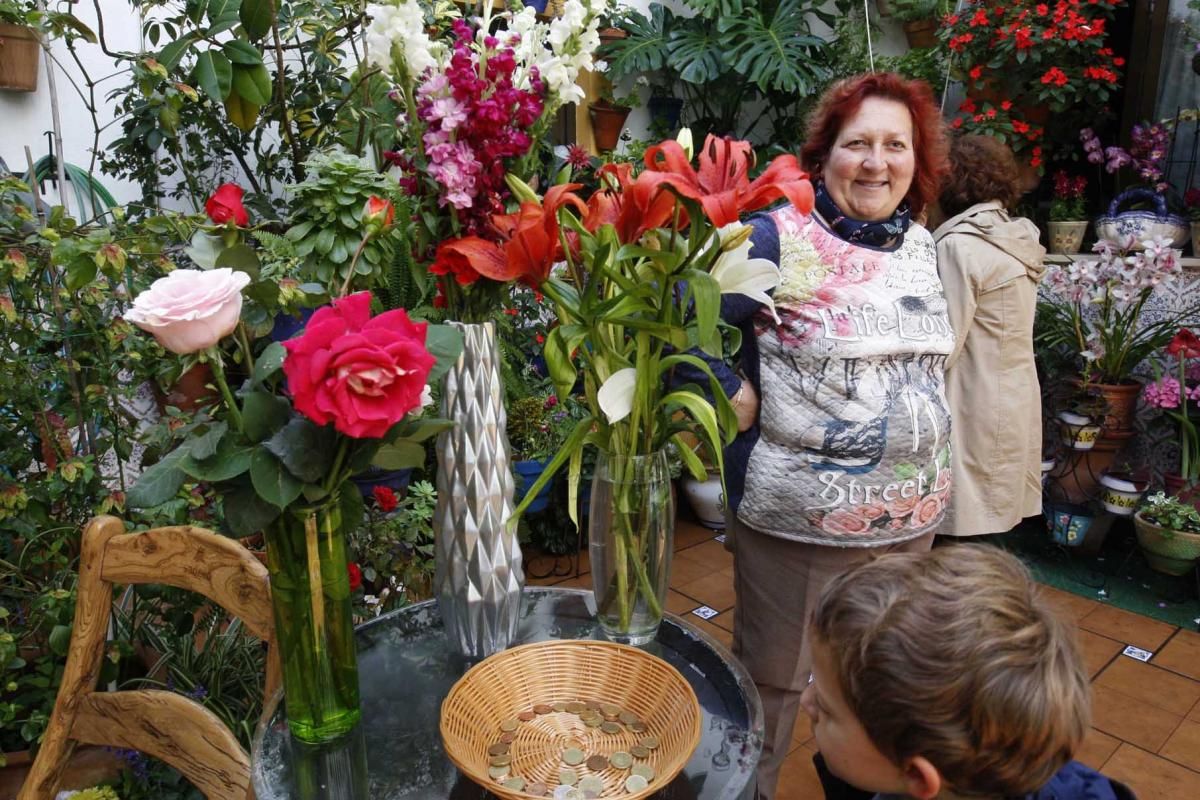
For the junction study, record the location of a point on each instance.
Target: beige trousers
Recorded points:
(778, 582)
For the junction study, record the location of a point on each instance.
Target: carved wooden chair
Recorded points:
(165, 725)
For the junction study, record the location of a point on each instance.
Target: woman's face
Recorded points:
(871, 165)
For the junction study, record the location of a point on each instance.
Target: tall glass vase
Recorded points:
(314, 630)
(478, 576)
(630, 531)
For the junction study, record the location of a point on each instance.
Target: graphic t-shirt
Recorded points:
(853, 447)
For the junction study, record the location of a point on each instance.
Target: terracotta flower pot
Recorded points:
(921, 33)
(18, 58)
(192, 390)
(1121, 400)
(607, 122)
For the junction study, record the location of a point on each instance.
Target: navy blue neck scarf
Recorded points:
(875, 234)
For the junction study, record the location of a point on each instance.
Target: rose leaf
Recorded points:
(305, 449)
(158, 483)
(246, 513)
(264, 413)
(272, 482)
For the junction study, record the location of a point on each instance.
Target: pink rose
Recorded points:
(845, 521)
(928, 510)
(225, 205)
(190, 310)
(871, 511)
(902, 506)
(362, 373)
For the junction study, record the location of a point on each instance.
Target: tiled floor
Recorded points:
(1145, 716)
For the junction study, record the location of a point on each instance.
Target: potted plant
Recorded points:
(608, 115)
(535, 433)
(1092, 312)
(1078, 430)
(1168, 532)
(920, 19)
(1122, 490)
(392, 552)
(1171, 394)
(1068, 216)
(1191, 201)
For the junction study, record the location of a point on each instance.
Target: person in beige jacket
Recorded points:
(990, 264)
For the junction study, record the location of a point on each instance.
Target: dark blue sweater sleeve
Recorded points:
(736, 309)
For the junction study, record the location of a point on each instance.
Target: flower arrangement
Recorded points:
(1095, 308)
(645, 259)
(1068, 201)
(477, 98)
(1147, 153)
(1172, 393)
(1022, 59)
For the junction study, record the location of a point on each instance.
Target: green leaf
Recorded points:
(252, 83)
(221, 10)
(214, 74)
(204, 249)
(573, 443)
(560, 343)
(419, 430)
(60, 639)
(263, 414)
(205, 445)
(241, 112)
(778, 54)
(80, 272)
(401, 455)
(240, 52)
(257, 16)
(706, 293)
(445, 343)
(269, 362)
(305, 449)
(172, 54)
(351, 502)
(240, 257)
(159, 482)
(246, 513)
(272, 482)
(231, 459)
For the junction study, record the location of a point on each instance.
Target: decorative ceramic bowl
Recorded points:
(1117, 225)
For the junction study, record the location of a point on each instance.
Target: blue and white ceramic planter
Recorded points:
(1117, 225)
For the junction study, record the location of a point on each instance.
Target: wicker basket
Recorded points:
(569, 671)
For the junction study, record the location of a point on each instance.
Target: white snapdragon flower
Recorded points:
(398, 32)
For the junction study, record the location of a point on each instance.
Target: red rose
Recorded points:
(355, 576)
(361, 373)
(1185, 345)
(377, 215)
(385, 498)
(226, 205)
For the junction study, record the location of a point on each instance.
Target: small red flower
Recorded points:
(1185, 345)
(225, 205)
(385, 498)
(355, 576)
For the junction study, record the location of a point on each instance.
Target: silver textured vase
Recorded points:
(479, 575)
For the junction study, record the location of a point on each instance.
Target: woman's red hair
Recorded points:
(842, 101)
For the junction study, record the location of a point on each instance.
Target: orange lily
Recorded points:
(722, 185)
(633, 206)
(528, 244)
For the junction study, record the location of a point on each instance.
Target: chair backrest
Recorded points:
(165, 725)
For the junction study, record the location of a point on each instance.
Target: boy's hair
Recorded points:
(950, 655)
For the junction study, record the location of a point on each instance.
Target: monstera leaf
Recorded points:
(776, 53)
(698, 53)
(715, 8)
(644, 49)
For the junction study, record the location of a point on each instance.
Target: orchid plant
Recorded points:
(635, 273)
(478, 97)
(1094, 309)
(1172, 394)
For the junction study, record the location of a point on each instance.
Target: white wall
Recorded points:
(24, 117)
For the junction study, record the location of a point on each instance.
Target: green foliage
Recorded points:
(1171, 514)
(395, 551)
(916, 10)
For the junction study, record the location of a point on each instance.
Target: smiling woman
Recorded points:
(847, 455)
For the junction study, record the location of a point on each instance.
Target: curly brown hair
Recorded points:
(982, 168)
(842, 101)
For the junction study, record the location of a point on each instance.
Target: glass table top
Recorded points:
(406, 668)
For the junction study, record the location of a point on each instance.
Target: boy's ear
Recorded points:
(922, 780)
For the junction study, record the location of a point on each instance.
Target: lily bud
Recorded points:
(521, 190)
(685, 141)
(733, 240)
(377, 215)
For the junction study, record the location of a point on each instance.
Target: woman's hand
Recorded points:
(745, 405)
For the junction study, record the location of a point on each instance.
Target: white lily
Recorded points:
(685, 141)
(616, 395)
(737, 273)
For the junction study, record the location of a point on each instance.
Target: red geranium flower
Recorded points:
(385, 498)
(225, 205)
(355, 576)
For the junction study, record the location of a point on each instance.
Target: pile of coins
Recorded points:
(630, 767)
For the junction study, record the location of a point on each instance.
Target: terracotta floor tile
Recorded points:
(1098, 651)
(1151, 777)
(1070, 605)
(1125, 626)
(1096, 749)
(798, 778)
(689, 533)
(1184, 745)
(1181, 654)
(685, 569)
(1131, 720)
(715, 590)
(712, 553)
(724, 620)
(1151, 685)
(1194, 715)
(679, 604)
(720, 634)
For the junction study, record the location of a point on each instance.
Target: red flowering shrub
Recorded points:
(360, 372)
(1035, 72)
